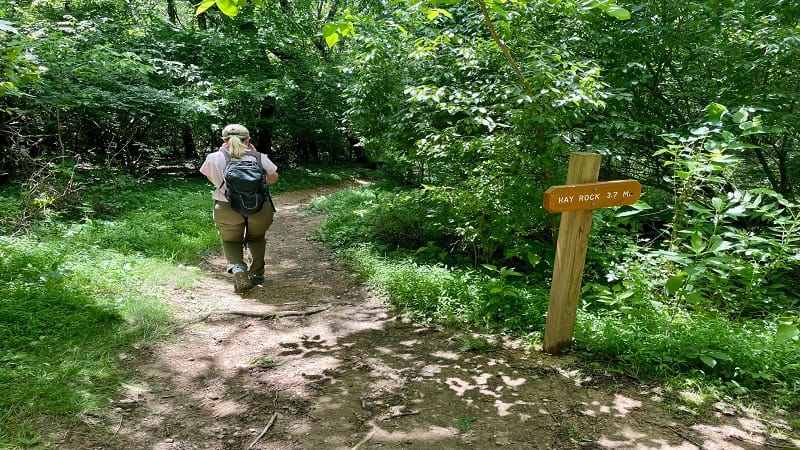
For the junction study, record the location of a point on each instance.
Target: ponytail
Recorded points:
(236, 147)
(235, 135)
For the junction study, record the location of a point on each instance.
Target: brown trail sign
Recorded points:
(576, 200)
(577, 197)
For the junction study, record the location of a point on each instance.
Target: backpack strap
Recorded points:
(258, 156)
(227, 161)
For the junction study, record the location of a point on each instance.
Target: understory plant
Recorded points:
(713, 301)
(732, 248)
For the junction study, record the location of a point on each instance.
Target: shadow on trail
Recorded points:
(337, 369)
(403, 386)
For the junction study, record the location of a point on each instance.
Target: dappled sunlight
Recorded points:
(512, 382)
(713, 437)
(504, 408)
(227, 408)
(628, 439)
(431, 435)
(446, 355)
(343, 370)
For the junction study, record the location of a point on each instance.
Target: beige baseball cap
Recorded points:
(235, 129)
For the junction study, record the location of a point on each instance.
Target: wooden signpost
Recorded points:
(575, 201)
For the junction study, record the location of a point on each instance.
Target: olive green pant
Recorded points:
(237, 231)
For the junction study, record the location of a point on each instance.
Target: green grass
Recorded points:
(678, 346)
(83, 282)
(66, 313)
(731, 357)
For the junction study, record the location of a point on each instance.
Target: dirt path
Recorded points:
(312, 360)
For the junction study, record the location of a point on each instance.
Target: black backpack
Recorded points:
(245, 186)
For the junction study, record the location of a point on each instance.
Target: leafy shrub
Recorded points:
(730, 247)
(668, 343)
(344, 212)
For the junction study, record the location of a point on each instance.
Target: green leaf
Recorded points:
(736, 211)
(628, 212)
(719, 245)
(608, 7)
(534, 258)
(715, 111)
(204, 6)
(436, 12)
(696, 207)
(720, 356)
(330, 33)
(8, 27)
(228, 7)
(674, 284)
(698, 243)
(740, 116)
(709, 361)
(787, 332)
(618, 13)
(331, 39)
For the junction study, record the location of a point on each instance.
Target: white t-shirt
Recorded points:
(214, 165)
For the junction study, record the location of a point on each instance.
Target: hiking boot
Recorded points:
(257, 279)
(241, 282)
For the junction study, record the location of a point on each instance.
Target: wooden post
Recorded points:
(573, 241)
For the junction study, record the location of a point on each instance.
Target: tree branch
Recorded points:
(503, 48)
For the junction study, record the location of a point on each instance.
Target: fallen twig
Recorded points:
(401, 414)
(684, 436)
(307, 312)
(263, 315)
(366, 438)
(257, 314)
(264, 431)
(119, 427)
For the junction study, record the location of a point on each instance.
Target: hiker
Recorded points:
(240, 229)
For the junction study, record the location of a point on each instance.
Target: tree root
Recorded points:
(277, 314)
(258, 314)
(264, 431)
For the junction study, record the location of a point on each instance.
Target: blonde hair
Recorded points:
(235, 135)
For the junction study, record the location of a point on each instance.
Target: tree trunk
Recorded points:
(172, 11)
(266, 124)
(188, 143)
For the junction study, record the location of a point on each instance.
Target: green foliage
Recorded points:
(671, 345)
(267, 362)
(671, 60)
(65, 316)
(18, 71)
(74, 295)
(121, 86)
(465, 423)
(495, 298)
(468, 343)
(634, 314)
(720, 262)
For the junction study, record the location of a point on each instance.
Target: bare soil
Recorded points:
(315, 360)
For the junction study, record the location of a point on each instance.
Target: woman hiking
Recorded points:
(238, 230)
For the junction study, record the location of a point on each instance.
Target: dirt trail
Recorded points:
(313, 360)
